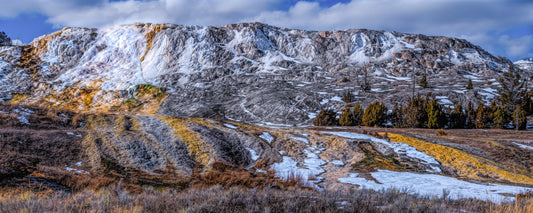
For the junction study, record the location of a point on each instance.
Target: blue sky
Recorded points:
(502, 27)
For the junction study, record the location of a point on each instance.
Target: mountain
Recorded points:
(149, 107)
(248, 72)
(525, 64)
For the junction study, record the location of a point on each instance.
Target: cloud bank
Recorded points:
(483, 22)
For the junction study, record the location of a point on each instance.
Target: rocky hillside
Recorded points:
(525, 64)
(48, 149)
(248, 72)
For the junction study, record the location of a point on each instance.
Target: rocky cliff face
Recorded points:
(248, 72)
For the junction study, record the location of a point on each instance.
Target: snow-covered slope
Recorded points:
(249, 72)
(525, 64)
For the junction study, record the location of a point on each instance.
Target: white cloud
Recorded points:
(420, 16)
(437, 17)
(98, 13)
(45, 7)
(518, 47)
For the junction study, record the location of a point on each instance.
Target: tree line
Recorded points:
(509, 108)
(4, 39)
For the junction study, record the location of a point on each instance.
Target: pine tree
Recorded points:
(375, 114)
(482, 117)
(470, 113)
(4, 39)
(365, 86)
(436, 117)
(397, 116)
(457, 117)
(358, 112)
(326, 117)
(346, 118)
(470, 85)
(499, 119)
(519, 118)
(527, 103)
(490, 111)
(347, 97)
(423, 82)
(512, 90)
(415, 112)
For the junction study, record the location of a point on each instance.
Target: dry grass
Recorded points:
(466, 165)
(18, 97)
(237, 199)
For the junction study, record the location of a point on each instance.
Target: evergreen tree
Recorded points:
(519, 118)
(358, 112)
(436, 117)
(347, 97)
(470, 115)
(397, 116)
(4, 39)
(375, 114)
(512, 90)
(490, 111)
(482, 117)
(457, 117)
(470, 85)
(423, 82)
(527, 103)
(415, 112)
(499, 119)
(346, 118)
(326, 117)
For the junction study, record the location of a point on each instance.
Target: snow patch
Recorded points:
(313, 163)
(301, 139)
(337, 163)
(23, 114)
(443, 100)
(337, 98)
(266, 136)
(231, 126)
(312, 115)
(435, 185)
(490, 90)
(72, 133)
(523, 146)
(399, 78)
(69, 169)
(288, 167)
(489, 96)
(253, 153)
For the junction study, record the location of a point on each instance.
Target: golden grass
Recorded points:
(466, 165)
(146, 99)
(75, 99)
(18, 97)
(199, 150)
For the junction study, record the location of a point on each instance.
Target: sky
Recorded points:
(502, 27)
